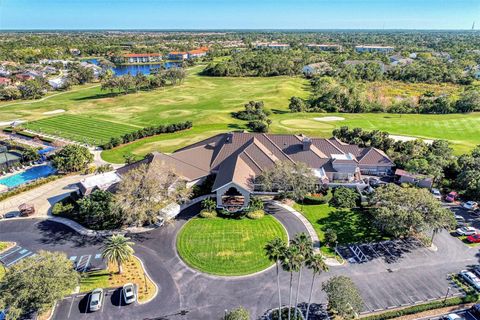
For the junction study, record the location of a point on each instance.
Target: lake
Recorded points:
(133, 69)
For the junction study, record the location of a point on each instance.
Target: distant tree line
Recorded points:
(333, 95)
(436, 159)
(127, 83)
(260, 63)
(147, 132)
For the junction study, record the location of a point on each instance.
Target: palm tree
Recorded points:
(117, 249)
(305, 248)
(275, 250)
(291, 263)
(317, 265)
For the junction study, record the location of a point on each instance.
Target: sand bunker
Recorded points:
(331, 118)
(54, 111)
(8, 123)
(408, 138)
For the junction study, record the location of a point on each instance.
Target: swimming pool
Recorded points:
(27, 176)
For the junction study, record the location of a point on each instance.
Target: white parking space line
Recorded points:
(70, 309)
(87, 305)
(10, 252)
(19, 258)
(103, 302)
(87, 263)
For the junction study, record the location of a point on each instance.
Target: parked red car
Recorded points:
(475, 238)
(451, 197)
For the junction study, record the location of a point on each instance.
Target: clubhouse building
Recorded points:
(236, 159)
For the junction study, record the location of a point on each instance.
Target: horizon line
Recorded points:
(232, 29)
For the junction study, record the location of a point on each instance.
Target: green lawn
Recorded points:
(94, 279)
(81, 128)
(350, 225)
(228, 246)
(209, 101)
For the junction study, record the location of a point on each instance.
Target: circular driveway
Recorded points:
(181, 288)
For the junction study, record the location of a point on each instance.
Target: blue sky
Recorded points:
(238, 14)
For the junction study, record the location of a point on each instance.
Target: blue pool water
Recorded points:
(133, 69)
(27, 176)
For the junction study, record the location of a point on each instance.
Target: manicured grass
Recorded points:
(132, 273)
(351, 226)
(228, 246)
(80, 128)
(209, 101)
(93, 280)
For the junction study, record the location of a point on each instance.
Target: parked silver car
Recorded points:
(470, 278)
(96, 299)
(129, 294)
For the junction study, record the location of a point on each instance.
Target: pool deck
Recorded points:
(42, 197)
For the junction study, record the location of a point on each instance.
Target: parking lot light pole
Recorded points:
(145, 280)
(226, 311)
(446, 295)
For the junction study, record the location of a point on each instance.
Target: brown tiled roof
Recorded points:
(240, 156)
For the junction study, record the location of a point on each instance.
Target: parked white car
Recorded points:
(470, 205)
(96, 299)
(436, 194)
(466, 231)
(470, 278)
(129, 293)
(453, 316)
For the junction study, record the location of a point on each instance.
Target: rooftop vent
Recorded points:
(306, 143)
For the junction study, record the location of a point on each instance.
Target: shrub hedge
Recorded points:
(208, 214)
(257, 214)
(147, 132)
(424, 307)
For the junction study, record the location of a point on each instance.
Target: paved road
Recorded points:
(413, 275)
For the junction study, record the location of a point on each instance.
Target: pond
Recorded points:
(133, 69)
(27, 176)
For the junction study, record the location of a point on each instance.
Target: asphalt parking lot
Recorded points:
(395, 264)
(388, 251)
(76, 306)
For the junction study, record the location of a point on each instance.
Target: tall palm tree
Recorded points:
(291, 264)
(275, 250)
(117, 249)
(305, 248)
(317, 265)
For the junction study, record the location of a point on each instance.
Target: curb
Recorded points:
(150, 278)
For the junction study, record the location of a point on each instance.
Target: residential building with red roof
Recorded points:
(142, 57)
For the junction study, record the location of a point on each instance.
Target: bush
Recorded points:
(209, 204)
(208, 214)
(330, 237)
(105, 168)
(257, 214)
(204, 188)
(60, 209)
(315, 199)
(256, 203)
(239, 313)
(344, 198)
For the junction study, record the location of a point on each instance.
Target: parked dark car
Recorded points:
(475, 309)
